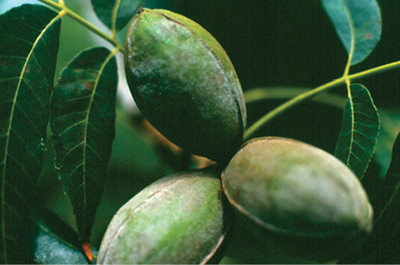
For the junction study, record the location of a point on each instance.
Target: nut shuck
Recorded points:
(185, 84)
(180, 218)
(298, 193)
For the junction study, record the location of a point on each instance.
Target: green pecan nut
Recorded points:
(180, 218)
(185, 84)
(308, 200)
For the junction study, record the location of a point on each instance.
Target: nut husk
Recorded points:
(181, 218)
(185, 84)
(301, 197)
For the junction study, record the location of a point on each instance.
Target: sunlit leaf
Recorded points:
(54, 242)
(29, 41)
(358, 25)
(359, 132)
(82, 121)
(115, 14)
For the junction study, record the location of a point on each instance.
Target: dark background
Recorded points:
(293, 43)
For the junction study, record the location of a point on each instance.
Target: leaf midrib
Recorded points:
(114, 16)
(350, 96)
(84, 142)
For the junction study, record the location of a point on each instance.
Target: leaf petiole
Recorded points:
(60, 6)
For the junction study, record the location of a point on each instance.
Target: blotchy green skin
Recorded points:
(184, 84)
(293, 188)
(180, 218)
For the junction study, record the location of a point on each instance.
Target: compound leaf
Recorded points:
(358, 25)
(115, 14)
(359, 132)
(29, 41)
(82, 121)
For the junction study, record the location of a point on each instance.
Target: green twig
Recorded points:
(285, 93)
(310, 94)
(60, 6)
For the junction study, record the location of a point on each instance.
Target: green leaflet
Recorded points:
(29, 44)
(115, 14)
(54, 242)
(359, 132)
(82, 121)
(358, 25)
